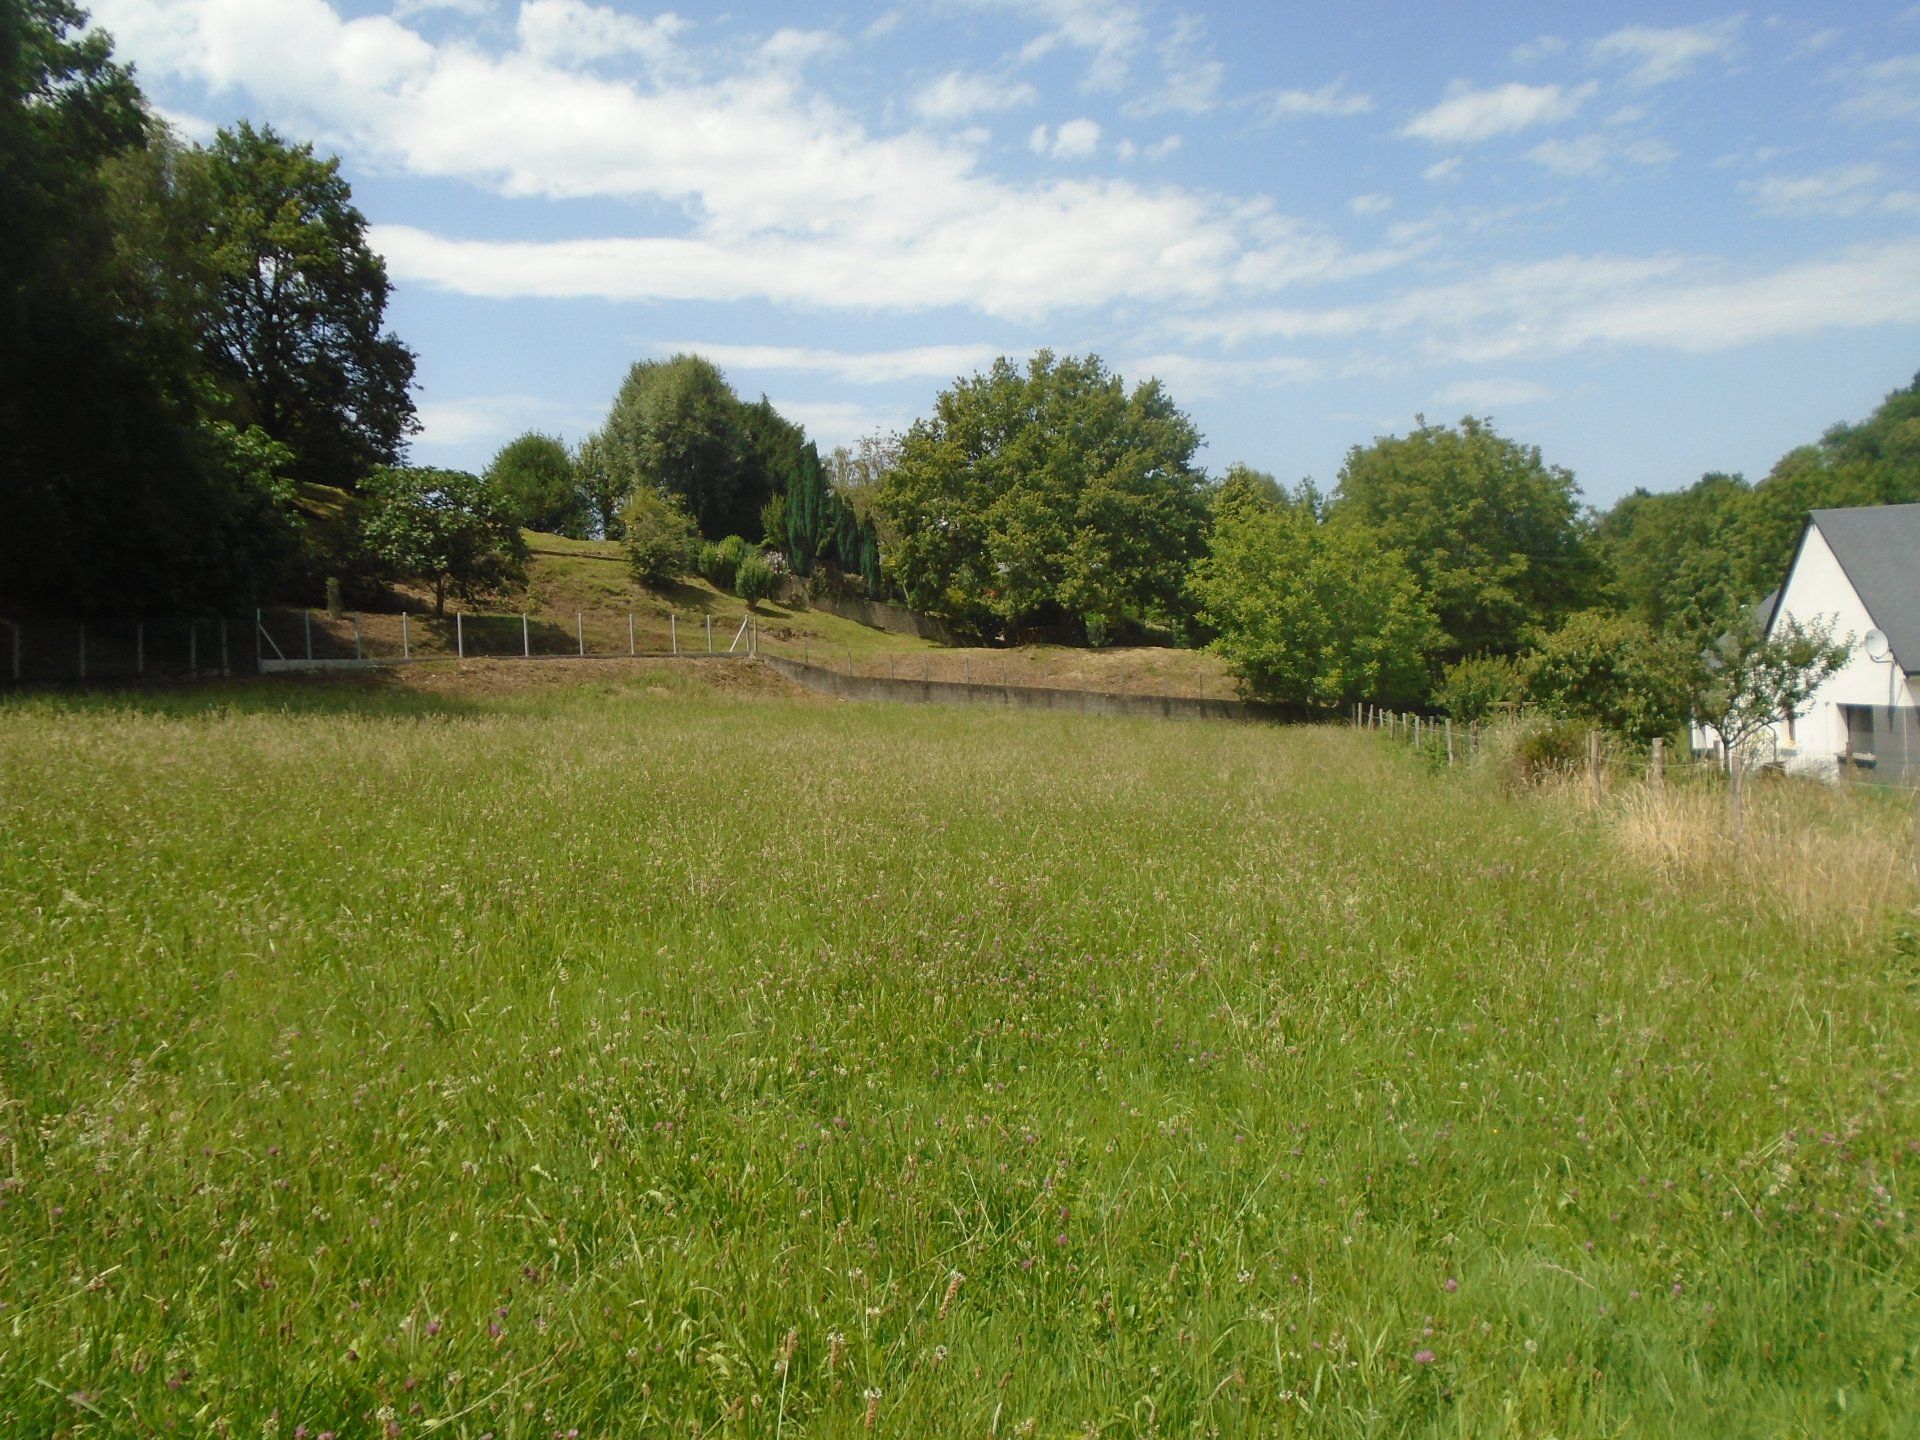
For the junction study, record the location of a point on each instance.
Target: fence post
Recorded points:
(259, 650)
(1593, 765)
(307, 615)
(14, 626)
(1736, 771)
(673, 629)
(356, 636)
(139, 647)
(459, 635)
(193, 649)
(1449, 741)
(630, 650)
(709, 632)
(83, 651)
(526, 645)
(966, 670)
(1656, 766)
(406, 646)
(580, 629)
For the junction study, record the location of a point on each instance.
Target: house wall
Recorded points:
(1818, 589)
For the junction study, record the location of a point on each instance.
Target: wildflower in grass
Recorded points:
(1451, 1285)
(836, 1347)
(1423, 1357)
(873, 1408)
(954, 1282)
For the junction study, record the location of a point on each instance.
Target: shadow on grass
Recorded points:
(372, 692)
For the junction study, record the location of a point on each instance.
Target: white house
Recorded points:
(1859, 571)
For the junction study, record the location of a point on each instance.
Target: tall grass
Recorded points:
(633, 1063)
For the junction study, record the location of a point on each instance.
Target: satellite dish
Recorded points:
(1876, 644)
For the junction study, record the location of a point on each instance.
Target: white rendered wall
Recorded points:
(1816, 590)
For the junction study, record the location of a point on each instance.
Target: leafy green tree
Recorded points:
(1310, 613)
(1749, 678)
(1494, 535)
(295, 330)
(447, 529)
(1472, 689)
(773, 447)
(535, 479)
(659, 536)
(1046, 495)
(599, 489)
(676, 426)
(1613, 672)
(123, 487)
(1670, 557)
(1243, 488)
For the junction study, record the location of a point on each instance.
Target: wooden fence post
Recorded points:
(1593, 765)
(1736, 772)
(1449, 741)
(1657, 766)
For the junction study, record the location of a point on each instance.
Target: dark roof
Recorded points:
(1879, 548)
(1763, 610)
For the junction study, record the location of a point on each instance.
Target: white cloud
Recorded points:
(1591, 154)
(1491, 393)
(1844, 191)
(1191, 77)
(959, 94)
(571, 32)
(784, 195)
(1074, 140)
(1663, 303)
(1332, 99)
(875, 367)
(1885, 90)
(1440, 170)
(1468, 116)
(1109, 31)
(189, 126)
(475, 418)
(472, 9)
(1374, 204)
(1191, 377)
(1542, 47)
(840, 422)
(1656, 56)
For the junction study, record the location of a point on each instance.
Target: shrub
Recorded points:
(754, 580)
(1611, 671)
(1472, 689)
(659, 536)
(720, 561)
(1543, 746)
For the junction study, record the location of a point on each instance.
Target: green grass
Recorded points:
(639, 1063)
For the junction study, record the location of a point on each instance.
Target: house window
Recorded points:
(1860, 735)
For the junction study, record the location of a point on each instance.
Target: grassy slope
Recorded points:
(566, 1060)
(585, 584)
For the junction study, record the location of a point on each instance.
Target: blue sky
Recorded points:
(1654, 240)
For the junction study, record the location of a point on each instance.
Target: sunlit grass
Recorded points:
(634, 1062)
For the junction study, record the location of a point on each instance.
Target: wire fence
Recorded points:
(172, 648)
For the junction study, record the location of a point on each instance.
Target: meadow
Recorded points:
(640, 1057)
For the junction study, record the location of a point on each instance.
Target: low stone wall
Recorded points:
(1021, 697)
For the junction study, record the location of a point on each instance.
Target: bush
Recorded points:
(720, 561)
(1472, 689)
(660, 538)
(754, 581)
(1612, 672)
(1543, 746)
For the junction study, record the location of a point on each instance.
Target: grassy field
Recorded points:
(645, 1057)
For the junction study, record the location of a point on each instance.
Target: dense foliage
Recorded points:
(184, 334)
(447, 529)
(1611, 671)
(1047, 496)
(659, 536)
(1310, 612)
(537, 480)
(1494, 534)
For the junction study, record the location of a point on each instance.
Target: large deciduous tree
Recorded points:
(1494, 534)
(121, 487)
(295, 331)
(1307, 612)
(676, 426)
(535, 478)
(447, 529)
(1047, 495)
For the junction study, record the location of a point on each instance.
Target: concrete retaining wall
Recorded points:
(874, 614)
(1021, 697)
